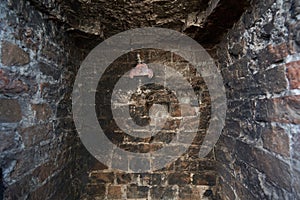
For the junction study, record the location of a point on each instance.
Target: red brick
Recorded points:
(293, 74)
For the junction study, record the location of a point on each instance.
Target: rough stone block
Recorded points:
(10, 111)
(276, 170)
(205, 178)
(282, 109)
(225, 190)
(293, 74)
(114, 192)
(243, 192)
(42, 111)
(44, 171)
(123, 178)
(295, 145)
(275, 80)
(11, 85)
(276, 139)
(49, 70)
(296, 184)
(134, 191)
(35, 134)
(102, 177)
(98, 190)
(13, 55)
(195, 192)
(160, 192)
(179, 178)
(273, 54)
(7, 139)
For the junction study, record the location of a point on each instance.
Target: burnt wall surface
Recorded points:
(42, 45)
(188, 177)
(38, 148)
(258, 153)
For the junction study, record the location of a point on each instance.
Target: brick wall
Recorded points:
(189, 177)
(257, 156)
(37, 138)
(259, 60)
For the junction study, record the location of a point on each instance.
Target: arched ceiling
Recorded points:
(204, 20)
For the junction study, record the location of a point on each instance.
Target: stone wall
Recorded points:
(37, 144)
(259, 148)
(257, 156)
(188, 177)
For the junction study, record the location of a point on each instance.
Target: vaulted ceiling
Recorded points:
(203, 20)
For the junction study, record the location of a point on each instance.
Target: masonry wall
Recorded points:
(258, 152)
(38, 143)
(188, 177)
(257, 156)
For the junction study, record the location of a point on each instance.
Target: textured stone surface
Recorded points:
(188, 170)
(114, 192)
(11, 85)
(137, 192)
(259, 62)
(276, 139)
(42, 111)
(37, 155)
(293, 74)
(13, 55)
(258, 153)
(283, 109)
(10, 111)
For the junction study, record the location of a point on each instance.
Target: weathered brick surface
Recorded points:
(273, 54)
(163, 192)
(37, 156)
(282, 109)
(257, 155)
(10, 111)
(275, 169)
(7, 139)
(13, 55)
(179, 179)
(114, 192)
(102, 178)
(205, 178)
(35, 134)
(97, 190)
(188, 170)
(276, 139)
(260, 69)
(293, 74)
(136, 192)
(42, 111)
(11, 85)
